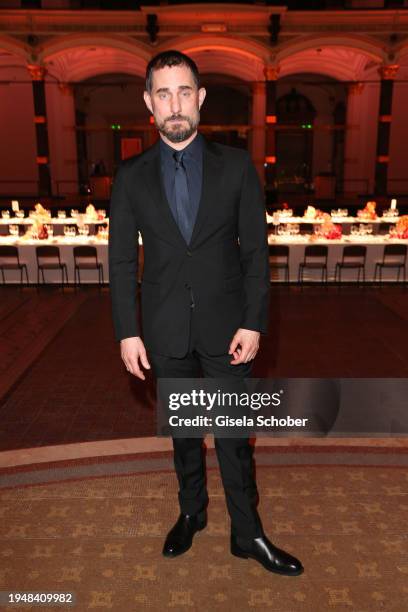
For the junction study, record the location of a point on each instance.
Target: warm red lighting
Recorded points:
(270, 159)
(270, 118)
(213, 27)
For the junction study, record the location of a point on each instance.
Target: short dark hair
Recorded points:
(170, 58)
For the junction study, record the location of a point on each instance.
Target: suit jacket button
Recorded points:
(189, 253)
(187, 286)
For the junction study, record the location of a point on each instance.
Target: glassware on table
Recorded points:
(74, 212)
(13, 230)
(50, 229)
(390, 212)
(20, 214)
(282, 229)
(354, 230)
(286, 212)
(69, 231)
(61, 214)
(5, 214)
(339, 212)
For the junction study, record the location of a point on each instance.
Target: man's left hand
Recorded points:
(244, 345)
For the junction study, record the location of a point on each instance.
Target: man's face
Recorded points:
(175, 102)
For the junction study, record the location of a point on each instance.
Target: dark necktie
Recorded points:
(184, 210)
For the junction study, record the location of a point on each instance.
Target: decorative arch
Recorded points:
(16, 48)
(75, 58)
(232, 56)
(342, 58)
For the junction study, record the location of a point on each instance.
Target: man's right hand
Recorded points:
(133, 349)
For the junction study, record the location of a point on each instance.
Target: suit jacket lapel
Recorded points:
(153, 177)
(211, 181)
(211, 184)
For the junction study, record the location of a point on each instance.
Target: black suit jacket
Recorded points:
(225, 268)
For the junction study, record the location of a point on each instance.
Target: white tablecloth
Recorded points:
(375, 247)
(27, 255)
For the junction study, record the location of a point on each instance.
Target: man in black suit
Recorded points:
(205, 289)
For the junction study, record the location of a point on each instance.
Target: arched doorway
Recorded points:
(225, 108)
(294, 142)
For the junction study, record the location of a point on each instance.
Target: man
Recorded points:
(205, 288)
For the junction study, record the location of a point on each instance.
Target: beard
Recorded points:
(175, 131)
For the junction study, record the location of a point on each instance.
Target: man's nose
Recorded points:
(175, 105)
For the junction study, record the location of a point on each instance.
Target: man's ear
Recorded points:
(201, 96)
(148, 100)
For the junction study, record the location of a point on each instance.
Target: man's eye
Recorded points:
(162, 95)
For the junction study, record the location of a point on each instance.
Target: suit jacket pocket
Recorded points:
(233, 284)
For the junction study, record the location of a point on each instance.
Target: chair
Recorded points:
(48, 258)
(354, 257)
(394, 256)
(86, 258)
(279, 258)
(10, 260)
(315, 258)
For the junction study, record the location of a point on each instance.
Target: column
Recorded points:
(62, 137)
(352, 171)
(37, 74)
(271, 76)
(388, 74)
(258, 127)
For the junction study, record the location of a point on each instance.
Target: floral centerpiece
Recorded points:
(328, 229)
(91, 213)
(401, 228)
(313, 213)
(38, 229)
(368, 212)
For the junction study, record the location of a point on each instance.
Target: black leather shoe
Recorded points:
(262, 550)
(180, 537)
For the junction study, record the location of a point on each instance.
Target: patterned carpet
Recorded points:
(96, 527)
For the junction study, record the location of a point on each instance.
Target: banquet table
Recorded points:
(374, 243)
(375, 247)
(346, 219)
(27, 255)
(58, 224)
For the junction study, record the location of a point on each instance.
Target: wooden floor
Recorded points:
(62, 379)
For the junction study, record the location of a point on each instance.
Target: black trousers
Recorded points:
(235, 455)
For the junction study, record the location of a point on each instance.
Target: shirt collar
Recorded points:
(193, 149)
